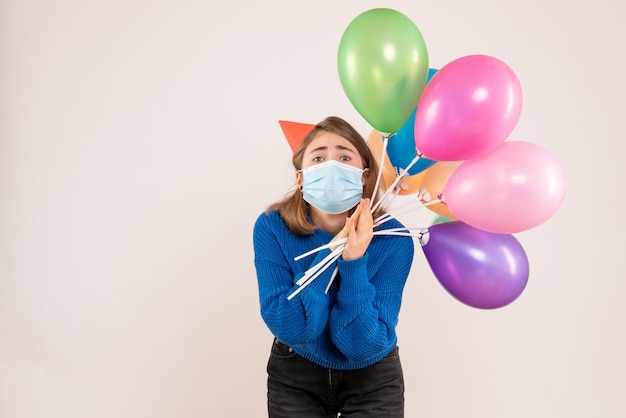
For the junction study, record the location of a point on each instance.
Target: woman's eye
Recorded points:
(318, 159)
(344, 158)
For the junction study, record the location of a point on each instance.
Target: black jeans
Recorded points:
(299, 388)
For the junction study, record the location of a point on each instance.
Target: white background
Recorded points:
(139, 140)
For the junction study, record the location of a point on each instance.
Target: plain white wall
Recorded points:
(139, 141)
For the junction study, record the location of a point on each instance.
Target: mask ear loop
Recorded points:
(299, 179)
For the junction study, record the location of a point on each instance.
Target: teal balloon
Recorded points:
(383, 66)
(440, 220)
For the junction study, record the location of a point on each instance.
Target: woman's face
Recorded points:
(328, 146)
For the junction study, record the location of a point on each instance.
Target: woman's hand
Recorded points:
(359, 230)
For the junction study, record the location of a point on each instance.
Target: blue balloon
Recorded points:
(401, 146)
(431, 73)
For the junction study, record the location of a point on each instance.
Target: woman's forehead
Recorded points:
(329, 140)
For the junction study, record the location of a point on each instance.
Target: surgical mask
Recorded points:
(332, 186)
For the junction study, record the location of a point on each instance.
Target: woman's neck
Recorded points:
(327, 222)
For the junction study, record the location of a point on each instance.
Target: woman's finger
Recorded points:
(366, 221)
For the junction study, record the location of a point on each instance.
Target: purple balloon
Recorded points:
(482, 269)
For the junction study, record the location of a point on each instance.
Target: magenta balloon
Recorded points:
(479, 268)
(468, 108)
(512, 189)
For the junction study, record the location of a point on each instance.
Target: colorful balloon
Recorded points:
(514, 188)
(440, 219)
(409, 184)
(481, 269)
(435, 180)
(468, 109)
(383, 65)
(401, 148)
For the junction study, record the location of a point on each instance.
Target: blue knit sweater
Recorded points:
(351, 327)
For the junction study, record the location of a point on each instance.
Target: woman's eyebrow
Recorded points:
(339, 147)
(322, 148)
(344, 148)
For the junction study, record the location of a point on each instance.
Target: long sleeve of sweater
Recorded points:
(304, 317)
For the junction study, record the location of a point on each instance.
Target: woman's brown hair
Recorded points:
(294, 209)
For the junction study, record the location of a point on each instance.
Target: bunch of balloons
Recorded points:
(447, 132)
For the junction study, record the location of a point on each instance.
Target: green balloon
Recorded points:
(383, 66)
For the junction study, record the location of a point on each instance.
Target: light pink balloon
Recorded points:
(467, 109)
(514, 188)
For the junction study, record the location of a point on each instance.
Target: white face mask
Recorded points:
(332, 186)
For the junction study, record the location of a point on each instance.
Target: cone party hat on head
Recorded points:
(295, 132)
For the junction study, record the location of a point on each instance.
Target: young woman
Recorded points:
(335, 349)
